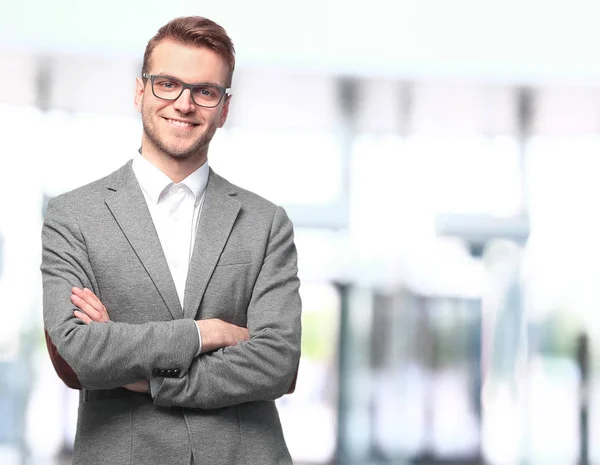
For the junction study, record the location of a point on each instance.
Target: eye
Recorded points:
(166, 85)
(205, 92)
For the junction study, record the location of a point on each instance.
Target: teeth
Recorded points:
(180, 123)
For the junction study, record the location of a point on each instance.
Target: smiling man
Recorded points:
(170, 295)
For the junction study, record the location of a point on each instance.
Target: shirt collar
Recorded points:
(154, 182)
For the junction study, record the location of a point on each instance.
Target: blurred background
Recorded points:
(445, 158)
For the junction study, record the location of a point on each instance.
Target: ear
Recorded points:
(224, 111)
(139, 93)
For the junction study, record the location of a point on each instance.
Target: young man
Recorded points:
(170, 295)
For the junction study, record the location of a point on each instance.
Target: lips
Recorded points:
(180, 123)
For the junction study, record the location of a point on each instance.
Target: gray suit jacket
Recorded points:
(218, 406)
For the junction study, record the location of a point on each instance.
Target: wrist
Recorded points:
(207, 335)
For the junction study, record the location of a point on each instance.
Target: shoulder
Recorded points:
(248, 199)
(254, 207)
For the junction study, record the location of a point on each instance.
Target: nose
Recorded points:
(184, 103)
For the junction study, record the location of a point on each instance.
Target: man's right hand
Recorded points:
(217, 334)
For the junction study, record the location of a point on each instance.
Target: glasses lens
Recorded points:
(206, 95)
(166, 88)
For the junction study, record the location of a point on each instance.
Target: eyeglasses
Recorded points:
(203, 95)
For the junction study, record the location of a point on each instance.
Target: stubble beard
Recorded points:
(198, 147)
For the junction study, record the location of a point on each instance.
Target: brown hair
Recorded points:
(194, 30)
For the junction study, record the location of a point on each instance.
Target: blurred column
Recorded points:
(384, 364)
(354, 430)
(377, 109)
(504, 325)
(496, 113)
(583, 360)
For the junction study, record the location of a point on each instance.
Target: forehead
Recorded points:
(189, 63)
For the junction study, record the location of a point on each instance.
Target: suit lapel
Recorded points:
(130, 210)
(219, 211)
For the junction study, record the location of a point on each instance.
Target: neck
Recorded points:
(177, 169)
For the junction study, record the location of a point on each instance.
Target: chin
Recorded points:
(176, 149)
(179, 154)
(183, 153)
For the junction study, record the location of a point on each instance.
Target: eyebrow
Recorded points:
(169, 76)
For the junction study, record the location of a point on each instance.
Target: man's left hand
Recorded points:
(93, 310)
(91, 307)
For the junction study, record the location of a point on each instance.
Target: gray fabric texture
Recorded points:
(243, 270)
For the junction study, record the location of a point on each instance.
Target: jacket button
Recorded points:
(169, 373)
(176, 371)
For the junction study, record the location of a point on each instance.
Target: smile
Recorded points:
(180, 124)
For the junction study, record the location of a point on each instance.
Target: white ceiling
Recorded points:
(507, 41)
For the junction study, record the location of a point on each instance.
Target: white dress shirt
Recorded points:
(175, 209)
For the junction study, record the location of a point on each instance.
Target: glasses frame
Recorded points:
(225, 91)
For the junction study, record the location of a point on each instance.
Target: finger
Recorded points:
(82, 316)
(95, 302)
(94, 298)
(98, 310)
(87, 308)
(90, 299)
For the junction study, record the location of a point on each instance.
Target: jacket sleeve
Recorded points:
(264, 367)
(100, 355)
(62, 368)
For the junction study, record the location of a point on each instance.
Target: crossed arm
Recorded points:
(258, 365)
(215, 333)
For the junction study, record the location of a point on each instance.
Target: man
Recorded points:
(171, 295)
